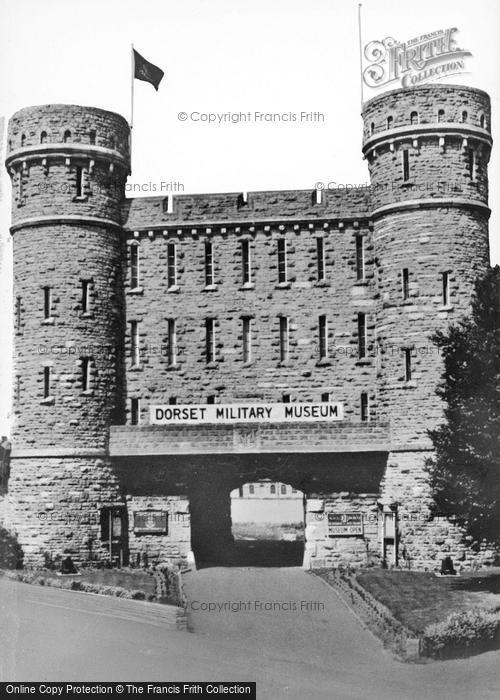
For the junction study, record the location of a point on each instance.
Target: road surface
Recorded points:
(321, 653)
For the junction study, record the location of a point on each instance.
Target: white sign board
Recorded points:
(191, 414)
(345, 524)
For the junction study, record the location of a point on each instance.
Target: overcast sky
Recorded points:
(271, 56)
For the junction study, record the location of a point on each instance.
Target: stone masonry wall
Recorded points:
(71, 416)
(325, 551)
(426, 100)
(53, 506)
(175, 546)
(424, 540)
(303, 300)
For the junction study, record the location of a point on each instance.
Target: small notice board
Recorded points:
(345, 524)
(150, 522)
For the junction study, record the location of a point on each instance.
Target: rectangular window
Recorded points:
(172, 342)
(171, 265)
(446, 288)
(134, 343)
(320, 258)
(18, 313)
(283, 339)
(209, 263)
(286, 398)
(46, 382)
(282, 266)
(135, 411)
(80, 174)
(47, 302)
(85, 296)
(85, 373)
(325, 397)
(247, 339)
(210, 340)
(361, 335)
(283, 489)
(134, 266)
(246, 263)
(406, 164)
(211, 399)
(20, 190)
(323, 338)
(360, 257)
(408, 367)
(172, 401)
(471, 163)
(405, 283)
(365, 414)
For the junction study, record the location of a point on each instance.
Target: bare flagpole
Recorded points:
(132, 76)
(360, 53)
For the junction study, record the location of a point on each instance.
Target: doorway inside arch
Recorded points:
(267, 524)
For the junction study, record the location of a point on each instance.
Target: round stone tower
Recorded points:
(68, 166)
(427, 149)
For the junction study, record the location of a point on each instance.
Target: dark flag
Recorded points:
(144, 70)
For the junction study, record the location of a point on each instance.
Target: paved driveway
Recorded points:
(321, 653)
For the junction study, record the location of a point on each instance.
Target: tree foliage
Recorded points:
(465, 472)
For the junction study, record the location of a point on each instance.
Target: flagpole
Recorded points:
(360, 54)
(132, 76)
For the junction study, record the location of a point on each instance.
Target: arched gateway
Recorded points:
(170, 349)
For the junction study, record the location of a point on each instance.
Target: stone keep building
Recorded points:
(319, 304)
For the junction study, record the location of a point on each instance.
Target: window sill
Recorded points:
(407, 302)
(135, 290)
(324, 362)
(174, 289)
(48, 321)
(408, 183)
(411, 384)
(49, 401)
(446, 309)
(174, 368)
(82, 198)
(284, 364)
(283, 285)
(210, 288)
(321, 283)
(88, 392)
(247, 285)
(363, 362)
(361, 283)
(88, 314)
(212, 365)
(135, 368)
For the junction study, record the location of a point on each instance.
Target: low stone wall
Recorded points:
(372, 614)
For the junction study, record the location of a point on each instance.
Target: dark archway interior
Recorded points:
(209, 479)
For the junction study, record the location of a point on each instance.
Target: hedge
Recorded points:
(462, 634)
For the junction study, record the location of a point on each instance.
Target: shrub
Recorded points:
(11, 554)
(462, 633)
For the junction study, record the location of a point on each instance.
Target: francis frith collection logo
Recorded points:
(425, 58)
